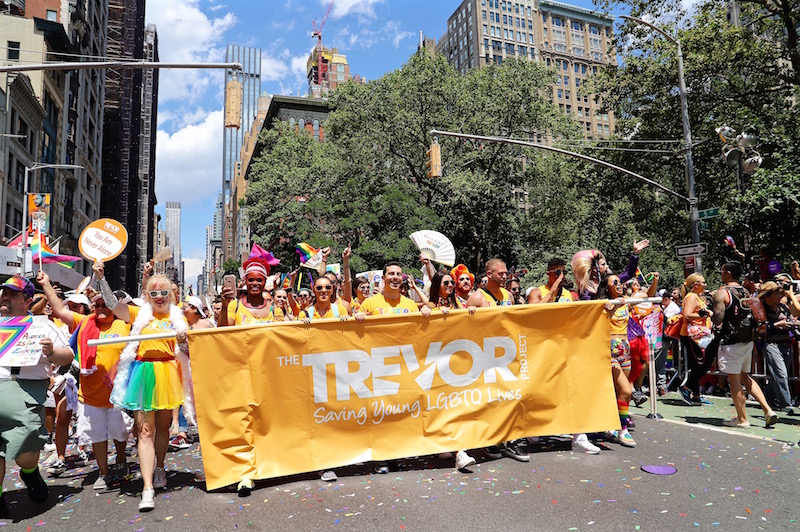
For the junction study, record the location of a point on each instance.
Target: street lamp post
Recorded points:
(694, 215)
(35, 166)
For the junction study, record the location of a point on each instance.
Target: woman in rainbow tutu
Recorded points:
(153, 377)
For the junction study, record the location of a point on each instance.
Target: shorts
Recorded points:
(96, 424)
(22, 417)
(733, 359)
(621, 353)
(50, 402)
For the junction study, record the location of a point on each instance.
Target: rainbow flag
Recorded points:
(305, 251)
(41, 250)
(643, 279)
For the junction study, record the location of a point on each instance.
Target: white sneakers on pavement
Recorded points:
(463, 460)
(148, 501)
(581, 444)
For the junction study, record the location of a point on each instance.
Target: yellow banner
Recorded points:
(289, 398)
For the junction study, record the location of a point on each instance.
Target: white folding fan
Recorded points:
(435, 246)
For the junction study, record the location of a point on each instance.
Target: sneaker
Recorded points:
(82, 458)
(512, 450)
(788, 410)
(611, 435)
(102, 482)
(686, 395)
(704, 401)
(770, 419)
(245, 488)
(148, 501)
(734, 422)
(638, 397)
(159, 478)
(463, 460)
(179, 442)
(329, 476)
(50, 446)
(37, 489)
(57, 467)
(626, 439)
(534, 440)
(493, 451)
(120, 471)
(581, 444)
(382, 469)
(662, 391)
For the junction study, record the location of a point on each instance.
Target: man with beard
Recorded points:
(464, 283)
(23, 391)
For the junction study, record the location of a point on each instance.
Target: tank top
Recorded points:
(506, 301)
(699, 321)
(565, 295)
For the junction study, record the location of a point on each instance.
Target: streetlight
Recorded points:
(687, 136)
(35, 166)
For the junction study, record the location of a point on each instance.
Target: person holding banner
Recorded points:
(153, 376)
(22, 394)
(253, 308)
(492, 294)
(97, 418)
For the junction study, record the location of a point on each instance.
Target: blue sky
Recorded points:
(376, 35)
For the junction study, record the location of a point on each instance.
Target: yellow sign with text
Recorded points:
(289, 398)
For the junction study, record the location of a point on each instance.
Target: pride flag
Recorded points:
(305, 251)
(259, 252)
(42, 252)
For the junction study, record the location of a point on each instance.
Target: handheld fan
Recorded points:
(83, 285)
(162, 255)
(435, 246)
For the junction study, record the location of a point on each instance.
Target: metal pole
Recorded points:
(24, 223)
(504, 140)
(687, 140)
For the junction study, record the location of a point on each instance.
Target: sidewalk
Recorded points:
(674, 409)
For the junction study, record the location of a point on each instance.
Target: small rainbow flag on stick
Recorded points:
(43, 253)
(305, 251)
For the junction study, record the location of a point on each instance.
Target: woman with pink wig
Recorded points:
(589, 266)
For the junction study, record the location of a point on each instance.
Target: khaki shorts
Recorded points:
(735, 358)
(22, 417)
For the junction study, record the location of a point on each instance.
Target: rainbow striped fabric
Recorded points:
(41, 251)
(305, 251)
(11, 330)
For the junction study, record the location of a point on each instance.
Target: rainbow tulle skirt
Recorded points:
(154, 385)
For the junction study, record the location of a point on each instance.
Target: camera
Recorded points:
(704, 313)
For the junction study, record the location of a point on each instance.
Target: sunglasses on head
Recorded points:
(158, 293)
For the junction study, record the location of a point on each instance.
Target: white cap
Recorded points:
(197, 303)
(79, 299)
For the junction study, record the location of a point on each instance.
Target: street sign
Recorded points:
(708, 213)
(690, 261)
(703, 226)
(691, 249)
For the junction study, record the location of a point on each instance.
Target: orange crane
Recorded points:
(318, 34)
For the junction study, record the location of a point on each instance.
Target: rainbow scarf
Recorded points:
(305, 251)
(41, 251)
(79, 342)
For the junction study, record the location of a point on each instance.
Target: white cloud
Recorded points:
(192, 267)
(189, 161)
(287, 69)
(186, 34)
(364, 9)
(367, 38)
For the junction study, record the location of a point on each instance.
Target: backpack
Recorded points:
(739, 323)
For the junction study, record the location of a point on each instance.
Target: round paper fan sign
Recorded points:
(103, 239)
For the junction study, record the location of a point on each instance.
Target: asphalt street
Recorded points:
(726, 479)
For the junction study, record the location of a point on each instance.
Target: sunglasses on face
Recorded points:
(556, 272)
(464, 278)
(616, 282)
(323, 288)
(158, 293)
(303, 295)
(448, 283)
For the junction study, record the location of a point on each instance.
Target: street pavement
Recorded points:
(726, 479)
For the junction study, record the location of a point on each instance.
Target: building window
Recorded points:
(52, 15)
(13, 51)
(560, 94)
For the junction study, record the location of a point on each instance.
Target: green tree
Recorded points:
(231, 267)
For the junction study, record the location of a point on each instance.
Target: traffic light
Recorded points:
(434, 160)
(233, 103)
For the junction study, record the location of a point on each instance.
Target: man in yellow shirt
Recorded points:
(391, 301)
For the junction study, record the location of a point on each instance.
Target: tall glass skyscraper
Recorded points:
(250, 59)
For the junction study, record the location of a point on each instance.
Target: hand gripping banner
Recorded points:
(288, 398)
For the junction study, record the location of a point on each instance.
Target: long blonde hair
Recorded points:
(689, 283)
(582, 265)
(159, 277)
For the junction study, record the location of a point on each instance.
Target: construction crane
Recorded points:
(318, 34)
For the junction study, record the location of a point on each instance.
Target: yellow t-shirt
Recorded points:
(156, 350)
(565, 295)
(619, 321)
(378, 306)
(239, 314)
(506, 301)
(329, 314)
(95, 389)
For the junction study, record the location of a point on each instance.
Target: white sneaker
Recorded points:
(463, 460)
(329, 476)
(101, 483)
(159, 478)
(148, 501)
(582, 444)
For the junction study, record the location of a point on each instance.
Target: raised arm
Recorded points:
(651, 292)
(348, 282)
(59, 309)
(120, 311)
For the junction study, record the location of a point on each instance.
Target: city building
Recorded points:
(326, 69)
(573, 40)
(51, 117)
(173, 233)
(147, 150)
(122, 127)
